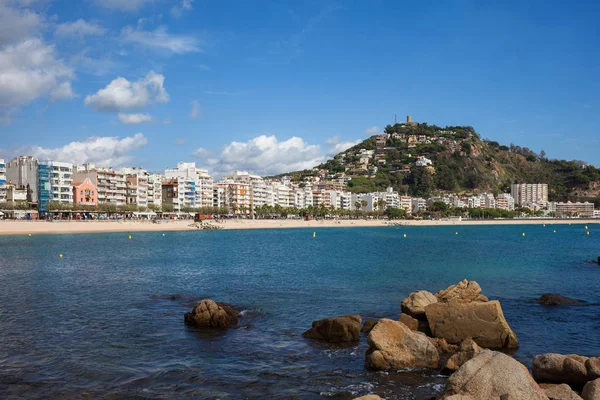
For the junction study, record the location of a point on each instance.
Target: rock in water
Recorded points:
(368, 325)
(484, 322)
(493, 376)
(464, 291)
(412, 323)
(554, 299)
(591, 390)
(414, 305)
(392, 345)
(336, 330)
(209, 314)
(467, 350)
(368, 397)
(558, 368)
(559, 392)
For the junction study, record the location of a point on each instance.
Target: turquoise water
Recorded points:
(106, 320)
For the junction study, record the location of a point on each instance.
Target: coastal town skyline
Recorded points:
(214, 86)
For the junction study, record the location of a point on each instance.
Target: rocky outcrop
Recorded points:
(336, 330)
(464, 291)
(467, 350)
(554, 299)
(368, 325)
(591, 390)
(559, 392)
(484, 322)
(414, 305)
(570, 369)
(368, 397)
(410, 322)
(493, 375)
(392, 345)
(209, 314)
(442, 346)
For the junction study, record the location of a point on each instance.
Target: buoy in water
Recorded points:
(314, 234)
(555, 231)
(129, 236)
(163, 234)
(456, 233)
(60, 255)
(405, 235)
(29, 235)
(588, 232)
(586, 227)
(523, 234)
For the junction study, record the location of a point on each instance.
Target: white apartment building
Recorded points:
(340, 200)
(111, 184)
(406, 203)
(474, 202)
(235, 195)
(62, 181)
(155, 190)
(2, 180)
(195, 186)
(23, 172)
(418, 204)
(136, 183)
(529, 193)
(505, 201)
(487, 200)
(204, 188)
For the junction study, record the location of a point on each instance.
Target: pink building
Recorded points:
(85, 193)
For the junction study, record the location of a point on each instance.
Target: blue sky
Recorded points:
(271, 86)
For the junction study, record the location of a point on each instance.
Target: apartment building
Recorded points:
(234, 195)
(529, 193)
(204, 188)
(418, 204)
(155, 191)
(62, 181)
(569, 209)
(2, 180)
(136, 186)
(505, 201)
(23, 172)
(111, 184)
(85, 193)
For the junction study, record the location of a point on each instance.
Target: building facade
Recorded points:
(85, 193)
(569, 209)
(2, 180)
(23, 172)
(529, 193)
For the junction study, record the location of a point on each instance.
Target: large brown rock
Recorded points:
(345, 328)
(467, 350)
(591, 390)
(464, 291)
(592, 365)
(484, 322)
(209, 314)
(554, 299)
(392, 345)
(493, 376)
(414, 305)
(559, 392)
(442, 346)
(412, 323)
(558, 368)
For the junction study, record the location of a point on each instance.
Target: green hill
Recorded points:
(461, 162)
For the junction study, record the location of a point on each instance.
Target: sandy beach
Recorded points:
(43, 227)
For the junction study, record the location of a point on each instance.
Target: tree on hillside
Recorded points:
(357, 205)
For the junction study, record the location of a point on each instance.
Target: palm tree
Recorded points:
(357, 205)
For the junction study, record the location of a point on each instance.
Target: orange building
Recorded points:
(85, 193)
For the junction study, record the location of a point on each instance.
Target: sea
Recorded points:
(105, 320)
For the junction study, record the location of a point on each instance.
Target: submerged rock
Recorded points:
(570, 369)
(345, 328)
(555, 299)
(467, 350)
(368, 325)
(414, 305)
(464, 291)
(493, 375)
(392, 345)
(559, 392)
(591, 390)
(209, 314)
(484, 322)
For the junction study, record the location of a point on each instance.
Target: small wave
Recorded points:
(354, 389)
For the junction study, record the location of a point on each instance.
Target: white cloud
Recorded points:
(186, 5)
(16, 23)
(29, 70)
(121, 94)
(332, 141)
(122, 5)
(196, 110)
(342, 146)
(264, 155)
(104, 151)
(161, 40)
(79, 28)
(63, 91)
(134, 119)
(374, 130)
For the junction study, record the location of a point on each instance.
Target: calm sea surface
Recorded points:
(106, 320)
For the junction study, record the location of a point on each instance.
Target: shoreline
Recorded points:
(12, 227)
